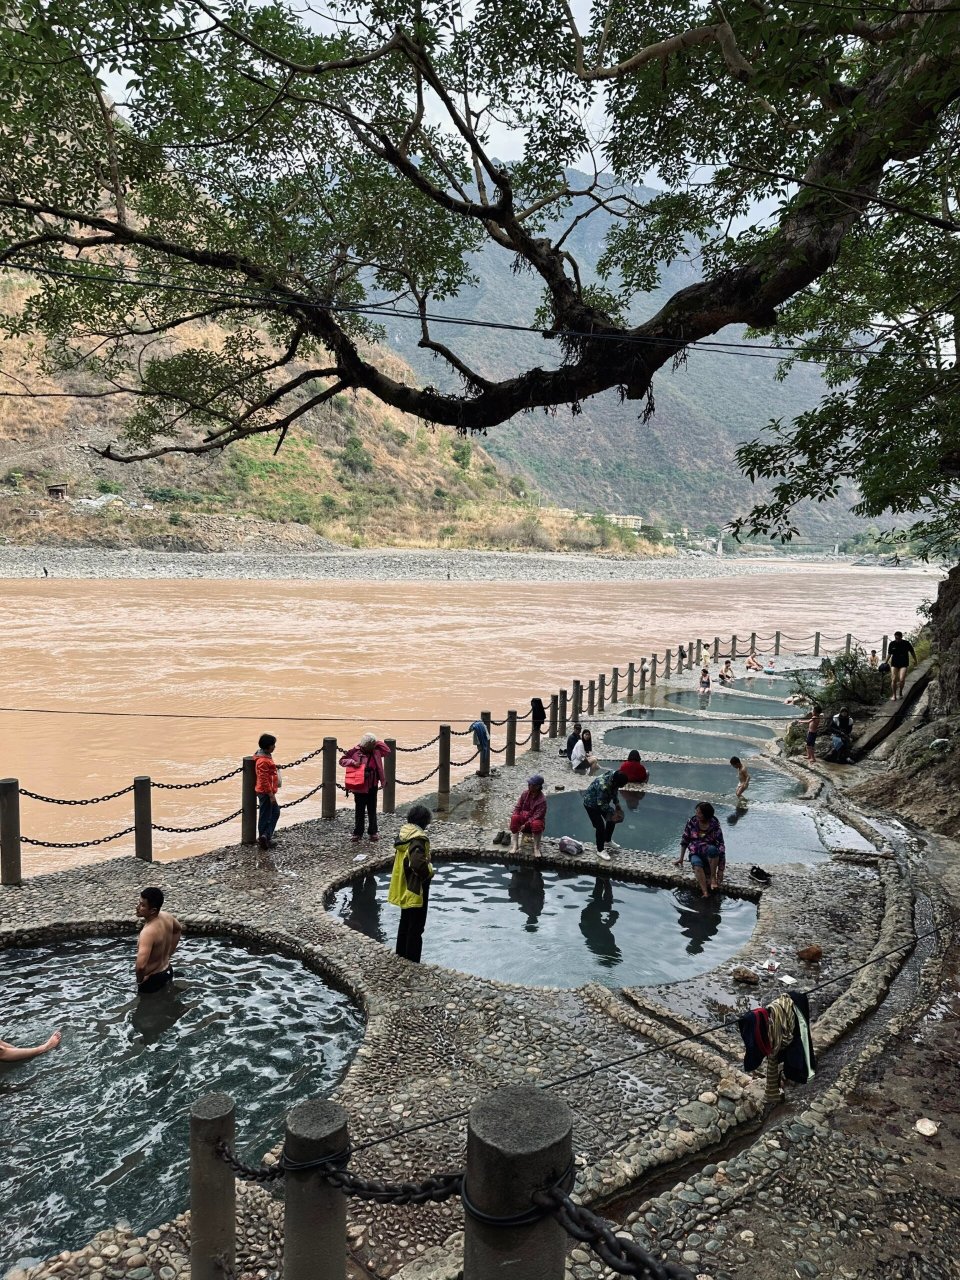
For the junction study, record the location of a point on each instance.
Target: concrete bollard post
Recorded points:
(601, 691)
(733, 646)
(484, 767)
(776, 645)
(510, 755)
(142, 820)
(443, 775)
(615, 685)
(576, 706)
(643, 676)
(390, 777)
(753, 641)
(554, 715)
(883, 652)
(591, 697)
(562, 713)
(213, 1192)
(689, 655)
(666, 665)
(248, 801)
(816, 644)
(716, 648)
(328, 791)
(653, 669)
(519, 1140)
(10, 831)
(314, 1210)
(535, 732)
(699, 653)
(631, 680)
(848, 645)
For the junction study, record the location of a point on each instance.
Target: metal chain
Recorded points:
(207, 826)
(305, 796)
(95, 800)
(79, 844)
(625, 1257)
(249, 1172)
(311, 755)
(522, 742)
(498, 722)
(190, 786)
(460, 733)
(420, 748)
(434, 1189)
(496, 751)
(456, 764)
(416, 781)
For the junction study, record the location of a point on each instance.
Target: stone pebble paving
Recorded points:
(436, 1040)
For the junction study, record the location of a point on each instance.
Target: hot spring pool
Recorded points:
(654, 823)
(97, 1130)
(671, 742)
(731, 704)
(557, 928)
(677, 721)
(717, 779)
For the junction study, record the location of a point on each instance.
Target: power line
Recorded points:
(757, 351)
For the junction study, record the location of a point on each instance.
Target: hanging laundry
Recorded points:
(781, 1035)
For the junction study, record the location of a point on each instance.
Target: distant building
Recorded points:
(57, 491)
(627, 522)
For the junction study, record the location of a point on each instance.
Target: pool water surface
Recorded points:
(677, 721)
(717, 779)
(97, 1130)
(731, 704)
(653, 823)
(558, 928)
(668, 742)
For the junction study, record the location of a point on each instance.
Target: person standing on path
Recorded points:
(10, 1052)
(268, 784)
(602, 804)
(159, 938)
(364, 778)
(703, 838)
(898, 655)
(410, 882)
(529, 815)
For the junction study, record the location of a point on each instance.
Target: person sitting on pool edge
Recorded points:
(159, 938)
(10, 1052)
(582, 759)
(410, 882)
(753, 662)
(634, 770)
(703, 837)
(572, 740)
(727, 674)
(529, 815)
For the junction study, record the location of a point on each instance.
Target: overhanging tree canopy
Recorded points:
(270, 165)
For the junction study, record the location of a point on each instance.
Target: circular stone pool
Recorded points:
(557, 928)
(97, 1130)
(677, 721)
(731, 704)
(675, 742)
(717, 779)
(653, 823)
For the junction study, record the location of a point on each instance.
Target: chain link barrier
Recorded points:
(423, 747)
(458, 764)
(625, 1257)
(311, 755)
(306, 796)
(114, 795)
(415, 782)
(77, 844)
(191, 786)
(206, 826)
(522, 742)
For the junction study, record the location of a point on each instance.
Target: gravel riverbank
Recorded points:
(385, 565)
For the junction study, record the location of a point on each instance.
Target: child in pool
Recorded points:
(743, 775)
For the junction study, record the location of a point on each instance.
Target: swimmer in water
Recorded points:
(159, 938)
(10, 1052)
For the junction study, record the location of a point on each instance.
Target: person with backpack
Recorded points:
(410, 882)
(364, 778)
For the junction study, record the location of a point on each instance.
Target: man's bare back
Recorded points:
(158, 940)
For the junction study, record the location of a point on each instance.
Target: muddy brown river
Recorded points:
(104, 680)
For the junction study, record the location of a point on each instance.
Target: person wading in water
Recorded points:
(159, 938)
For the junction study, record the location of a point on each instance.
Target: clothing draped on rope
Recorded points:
(779, 1034)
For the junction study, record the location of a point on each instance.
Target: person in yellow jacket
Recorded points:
(410, 881)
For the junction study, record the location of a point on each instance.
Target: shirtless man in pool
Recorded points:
(158, 941)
